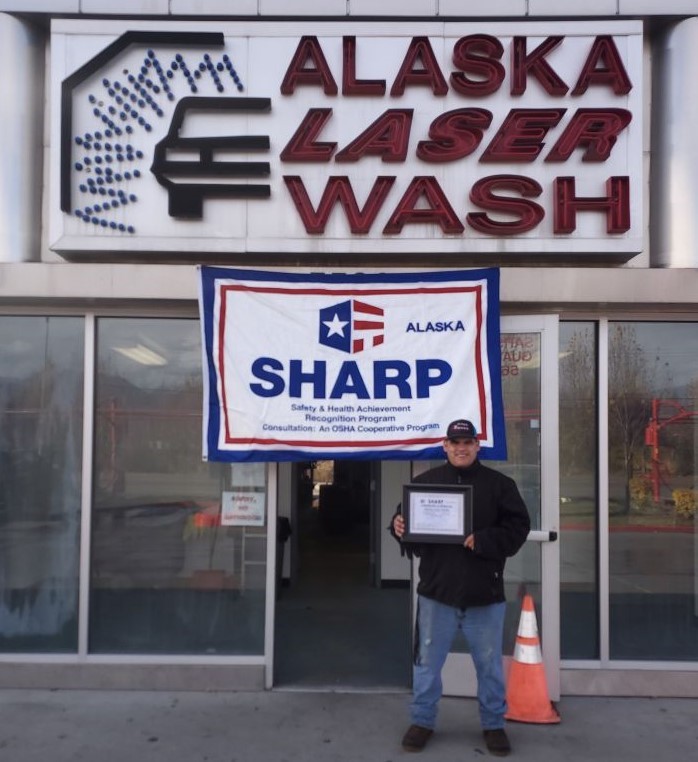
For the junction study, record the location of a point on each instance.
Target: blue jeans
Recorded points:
(483, 628)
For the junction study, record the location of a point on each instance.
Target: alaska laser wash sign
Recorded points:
(199, 140)
(307, 366)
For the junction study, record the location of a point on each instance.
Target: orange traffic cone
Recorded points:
(527, 690)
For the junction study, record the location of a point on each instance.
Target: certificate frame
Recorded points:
(437, 513)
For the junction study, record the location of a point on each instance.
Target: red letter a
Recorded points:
(604, 67)
(319, 73)
(438, 210)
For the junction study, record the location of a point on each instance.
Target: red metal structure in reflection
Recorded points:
(656, 424)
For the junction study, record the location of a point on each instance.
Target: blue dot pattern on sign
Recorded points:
(123, 109)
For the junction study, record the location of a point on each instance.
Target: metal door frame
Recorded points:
(459, 673)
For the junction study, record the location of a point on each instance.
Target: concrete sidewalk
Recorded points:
(289, 726)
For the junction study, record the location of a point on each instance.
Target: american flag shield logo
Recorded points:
(351, 326)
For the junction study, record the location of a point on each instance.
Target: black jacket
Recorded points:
(458, 576)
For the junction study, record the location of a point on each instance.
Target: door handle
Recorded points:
(542, 535)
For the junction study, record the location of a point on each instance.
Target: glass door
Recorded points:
(529, 348)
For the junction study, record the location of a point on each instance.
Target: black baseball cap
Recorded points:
(461, 429)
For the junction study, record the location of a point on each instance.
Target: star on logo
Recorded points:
(335, 326)
(351, 326)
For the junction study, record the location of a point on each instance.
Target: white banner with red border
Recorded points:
(304, 366)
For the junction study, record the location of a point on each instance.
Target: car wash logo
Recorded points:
(118, 105)
(352, 326)
(206, 174)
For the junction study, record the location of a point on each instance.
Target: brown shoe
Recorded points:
(497, 742)
(416, 738)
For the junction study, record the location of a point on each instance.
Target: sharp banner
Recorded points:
(338, 365)
(202, 141)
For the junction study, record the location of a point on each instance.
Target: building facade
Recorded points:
(424, 135)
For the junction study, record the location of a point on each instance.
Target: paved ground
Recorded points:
(288, 726)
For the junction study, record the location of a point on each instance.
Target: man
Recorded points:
(462, 587)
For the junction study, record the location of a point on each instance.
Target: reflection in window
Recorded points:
(176, 567)
(579, 603)
(41, 369)
(521, 392)
(653, 463)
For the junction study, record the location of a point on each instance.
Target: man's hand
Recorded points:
(399, 526)
(470, 542)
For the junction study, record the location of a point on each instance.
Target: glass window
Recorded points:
(178, 559)
(579, 603)
(521, 391)
(41, 388)
(653, 462)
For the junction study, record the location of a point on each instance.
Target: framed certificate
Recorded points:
(437, 512)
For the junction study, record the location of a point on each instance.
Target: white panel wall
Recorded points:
(463, 9)
(214, 7)
(41, 6)
(125, 7)
(302, 8)
(656, 7)
(393, 7)
(556, 9)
